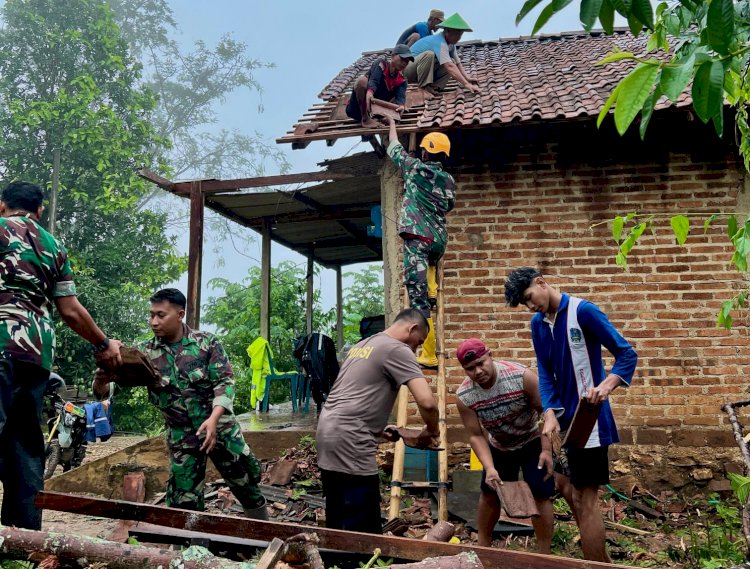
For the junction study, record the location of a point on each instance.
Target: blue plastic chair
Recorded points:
(294, 377)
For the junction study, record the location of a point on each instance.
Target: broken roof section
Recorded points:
(523, 79)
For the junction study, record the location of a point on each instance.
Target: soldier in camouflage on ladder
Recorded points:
(429, 194)
(35, 273)
(197, 408)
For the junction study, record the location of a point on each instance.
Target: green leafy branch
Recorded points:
(627, 237)
(705, 42)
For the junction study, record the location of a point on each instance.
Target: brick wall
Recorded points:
(530, 198)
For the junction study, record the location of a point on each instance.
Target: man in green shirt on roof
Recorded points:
(429, 194)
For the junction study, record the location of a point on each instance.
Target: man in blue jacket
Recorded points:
(568, 334)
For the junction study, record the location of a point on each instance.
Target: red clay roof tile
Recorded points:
(521, 79)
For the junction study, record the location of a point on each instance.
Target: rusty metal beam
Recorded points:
(339, 540)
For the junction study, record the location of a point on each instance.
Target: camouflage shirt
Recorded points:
(429, 194)
(198, 374)
(34, 270)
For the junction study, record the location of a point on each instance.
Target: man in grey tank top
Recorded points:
(501, 398)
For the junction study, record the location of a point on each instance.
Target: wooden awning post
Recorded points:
(195, 256)
(265, 281)
(339, 310)
(309, 302)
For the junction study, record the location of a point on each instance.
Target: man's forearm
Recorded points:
(80, 321)
(392, 134)
(431, 418)
(216, 413)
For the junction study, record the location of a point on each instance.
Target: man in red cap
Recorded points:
(503, 397)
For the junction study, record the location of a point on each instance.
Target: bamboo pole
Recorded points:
(441, 398)
(402, 408)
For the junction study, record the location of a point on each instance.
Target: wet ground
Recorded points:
(279, 417)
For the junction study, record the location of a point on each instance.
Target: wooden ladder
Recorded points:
(397, 478)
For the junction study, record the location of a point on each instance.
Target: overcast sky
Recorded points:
(309, 43)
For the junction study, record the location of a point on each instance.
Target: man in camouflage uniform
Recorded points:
(34, 274)
(429, 194)
(197, 407)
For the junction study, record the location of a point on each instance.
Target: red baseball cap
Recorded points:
(470, 350)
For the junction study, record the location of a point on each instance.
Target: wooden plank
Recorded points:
(154, 178)
(310, 289)
(271, 555)
(339, 310)
(265, 280)
(353, 542)
(195, 256)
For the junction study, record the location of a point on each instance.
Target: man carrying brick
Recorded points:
(197, 403)
(568, 334)
(429, 194)
(501, 399)
(355, 415)
(436, 59)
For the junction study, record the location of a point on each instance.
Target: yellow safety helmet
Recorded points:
(435, 142)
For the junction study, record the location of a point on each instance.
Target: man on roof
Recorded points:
(385, 81)
(429, 194)
(436, 60)
(422, 29)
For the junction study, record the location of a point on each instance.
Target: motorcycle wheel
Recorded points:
(52, 459)
(79, 454)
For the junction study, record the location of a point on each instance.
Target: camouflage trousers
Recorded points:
(418, 255)
(231, 456)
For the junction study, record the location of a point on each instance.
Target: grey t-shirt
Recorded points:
(357, 409)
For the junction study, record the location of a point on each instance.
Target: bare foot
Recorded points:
(371, 123)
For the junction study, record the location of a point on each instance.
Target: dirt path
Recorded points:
(88, 525)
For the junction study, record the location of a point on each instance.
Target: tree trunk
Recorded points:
(82, 551)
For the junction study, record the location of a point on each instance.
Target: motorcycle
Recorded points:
(66, 442)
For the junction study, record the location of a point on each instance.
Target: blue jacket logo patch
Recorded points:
(576, 337)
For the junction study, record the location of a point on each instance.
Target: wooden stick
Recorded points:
(441, 398)
(628, 529)
(271, 555)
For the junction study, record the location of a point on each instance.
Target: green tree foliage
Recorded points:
(700, 41)
(363, 297)
(188, 86)
(68, 83)
(236, 315)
